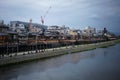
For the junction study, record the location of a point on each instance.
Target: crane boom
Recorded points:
(47, 11)
(43, 17)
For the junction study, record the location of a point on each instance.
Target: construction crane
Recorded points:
(43, 17)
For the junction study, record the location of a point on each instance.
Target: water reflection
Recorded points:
(75, 58)
(96, 64)
(105, 53)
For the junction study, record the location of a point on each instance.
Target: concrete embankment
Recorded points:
(54, 52)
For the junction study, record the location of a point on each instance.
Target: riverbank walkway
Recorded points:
(32, 55)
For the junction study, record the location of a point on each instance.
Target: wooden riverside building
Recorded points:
(6, 35)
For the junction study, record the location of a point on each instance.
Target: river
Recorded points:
(98, 64)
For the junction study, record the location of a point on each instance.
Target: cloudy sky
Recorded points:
(75, 14)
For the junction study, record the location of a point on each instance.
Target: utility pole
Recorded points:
(36, 43)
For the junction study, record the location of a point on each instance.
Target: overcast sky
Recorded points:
(75, 14)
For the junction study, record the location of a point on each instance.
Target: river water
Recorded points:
(98, 64)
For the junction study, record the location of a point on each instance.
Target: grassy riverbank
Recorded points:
(56, 52)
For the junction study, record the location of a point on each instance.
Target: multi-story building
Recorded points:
(3, 35)
(27, 30)
(7, 35)
(24, 27)
(78, 33)
(61, 30)
(99, 32)
(89, 31)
